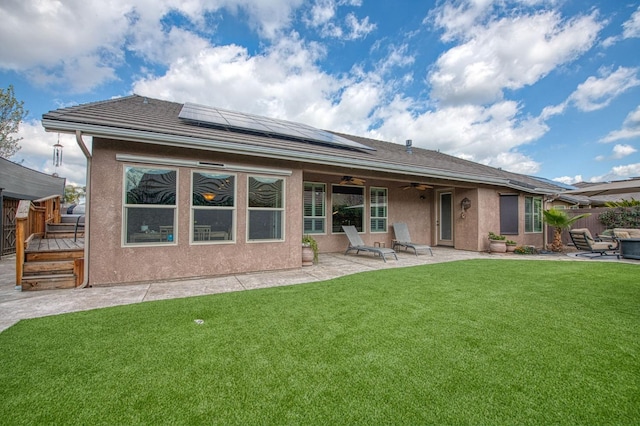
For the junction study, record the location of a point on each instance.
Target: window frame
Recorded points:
(535, 217)
(375, 205)
(323, 217)
(364, 210)
(509, 214)
(126, 206)
(193, 208)
(282, 210)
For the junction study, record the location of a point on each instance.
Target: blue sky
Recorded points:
(544, 87)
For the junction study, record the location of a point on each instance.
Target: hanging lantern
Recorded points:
(57, 153)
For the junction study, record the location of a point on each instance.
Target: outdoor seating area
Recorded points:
(629, 242)
(403, 239)
(584, 242)
(356, 243)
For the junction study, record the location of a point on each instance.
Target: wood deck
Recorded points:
(38, 244)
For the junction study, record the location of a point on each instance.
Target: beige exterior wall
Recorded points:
(411, 206)
(110, 261)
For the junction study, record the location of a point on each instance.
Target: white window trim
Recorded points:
(282, 209)
(123, 224)
(541, 214)
(386, 204)
(192, 208)
(326, 221)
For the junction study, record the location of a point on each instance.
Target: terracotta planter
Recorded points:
(307, 256)
(497, 246)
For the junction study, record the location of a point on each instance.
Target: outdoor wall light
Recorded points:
(465, 204)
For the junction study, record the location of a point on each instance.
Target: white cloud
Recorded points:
(631, 28)
(630, 128)
(322, 12)
(79, 45)
(457, 18)
(596, 93)
(628, 170)
(37, 153)
(618, 173)
(324, 17)
(488, 135)
(621, 151)
(358, 29)
(568, 180)
(509, 53)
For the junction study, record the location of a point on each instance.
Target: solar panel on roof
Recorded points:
(268, 126)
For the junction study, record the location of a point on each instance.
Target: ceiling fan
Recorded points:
(418, 186)
(350, 180)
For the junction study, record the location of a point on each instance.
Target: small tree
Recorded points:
(11, 115)
(559, 220)
(72, 193)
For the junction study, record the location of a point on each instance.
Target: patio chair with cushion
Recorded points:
(583, 241)
(356, 243)
(403, 239)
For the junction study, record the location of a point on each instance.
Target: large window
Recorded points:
(532, 214)
(213, 207)
(378, 209)
(265, 208)
(347, 207)
(509, 214)
(314, 208)
(149, 205)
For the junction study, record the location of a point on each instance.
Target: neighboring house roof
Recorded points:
(23, 183)
(146, 120)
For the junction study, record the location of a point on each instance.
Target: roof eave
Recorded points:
(52, 125)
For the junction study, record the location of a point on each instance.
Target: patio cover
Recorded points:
(609, 188)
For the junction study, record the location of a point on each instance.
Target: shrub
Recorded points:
(621, 217)
(493, 236)
(525, 250)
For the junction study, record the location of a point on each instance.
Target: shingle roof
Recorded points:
(148, 120)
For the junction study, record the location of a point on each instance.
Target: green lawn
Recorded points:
(475, 342)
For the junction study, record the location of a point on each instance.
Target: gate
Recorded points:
(9, 208)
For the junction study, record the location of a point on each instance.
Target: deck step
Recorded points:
(69, 218)
(48, 267)
(65, 234)
(61, 225)
(48, 282)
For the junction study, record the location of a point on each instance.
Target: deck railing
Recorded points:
(32, 218)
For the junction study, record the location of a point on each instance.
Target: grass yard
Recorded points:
(475, 342)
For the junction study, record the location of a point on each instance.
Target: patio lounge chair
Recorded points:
(403, 239)
(583, 241)
(356, 243)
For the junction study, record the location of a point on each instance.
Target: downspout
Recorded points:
(87, 208)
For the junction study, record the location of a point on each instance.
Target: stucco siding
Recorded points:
(113, 262)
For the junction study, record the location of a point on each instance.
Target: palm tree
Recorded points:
(560, 220)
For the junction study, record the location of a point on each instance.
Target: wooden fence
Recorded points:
(591, 223)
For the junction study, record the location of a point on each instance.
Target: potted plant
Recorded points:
(511, 246)
(309, 250)
(497, 243)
